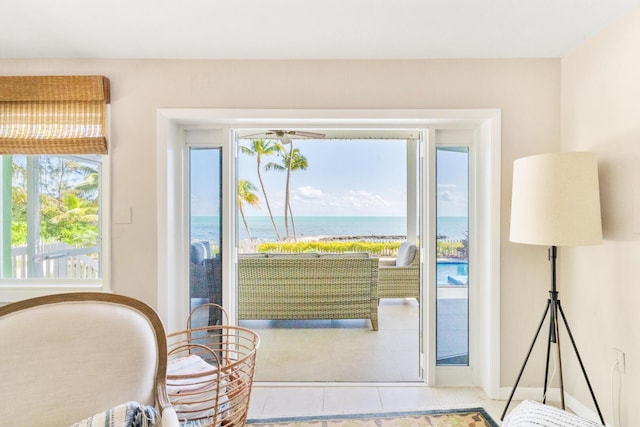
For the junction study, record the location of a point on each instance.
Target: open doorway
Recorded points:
(217, 128)
(316, 211)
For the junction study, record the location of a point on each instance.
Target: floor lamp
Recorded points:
(555, 202)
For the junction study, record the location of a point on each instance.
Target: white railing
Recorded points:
(56, 261)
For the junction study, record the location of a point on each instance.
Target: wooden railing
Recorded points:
(56, 261)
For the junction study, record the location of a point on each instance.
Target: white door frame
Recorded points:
(171, 124)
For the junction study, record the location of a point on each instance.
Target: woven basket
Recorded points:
(210, 374)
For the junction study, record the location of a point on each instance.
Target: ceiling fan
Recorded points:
(285, 136)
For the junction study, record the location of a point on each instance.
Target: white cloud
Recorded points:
(307, 192)
(308, 200)
(446, 196)
(362, 198)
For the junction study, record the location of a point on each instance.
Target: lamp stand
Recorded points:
(552, 308)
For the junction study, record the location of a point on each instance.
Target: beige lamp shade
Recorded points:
(556, 200)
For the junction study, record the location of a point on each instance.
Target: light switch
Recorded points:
(123, 215)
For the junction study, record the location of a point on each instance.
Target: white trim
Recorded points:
(12, 290)
(172, 121)
(580, 409)
(428, 257)
(169, 220)
(487, 252)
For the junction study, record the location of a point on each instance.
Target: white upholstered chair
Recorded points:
(67, 357)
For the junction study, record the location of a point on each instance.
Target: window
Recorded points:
(53, 138)
(51, 210)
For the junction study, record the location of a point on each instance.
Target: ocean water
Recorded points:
(208, 227)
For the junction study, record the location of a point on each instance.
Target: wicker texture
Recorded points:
(218, 395)
(53, 114)
(400, 282)
(308, 288)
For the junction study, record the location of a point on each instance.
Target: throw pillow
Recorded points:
(406, 253)
(130, 414)
(534, 414)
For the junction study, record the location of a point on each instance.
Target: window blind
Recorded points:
(53, 114)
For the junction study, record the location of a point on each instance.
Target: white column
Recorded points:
(412, 190)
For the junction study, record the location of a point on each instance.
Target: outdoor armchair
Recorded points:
(400, 278)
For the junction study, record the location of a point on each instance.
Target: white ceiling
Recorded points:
(301, 29)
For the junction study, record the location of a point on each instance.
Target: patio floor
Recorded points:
(350, 351)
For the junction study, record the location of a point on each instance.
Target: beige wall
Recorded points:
(601, 284)
(527, 91)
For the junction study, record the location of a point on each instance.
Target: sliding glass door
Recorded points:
(205, 232)
(452, 253)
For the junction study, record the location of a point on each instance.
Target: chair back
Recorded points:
(66, 357)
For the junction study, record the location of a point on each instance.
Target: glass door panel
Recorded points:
(452, 266)
(205, 232)
(354, 198)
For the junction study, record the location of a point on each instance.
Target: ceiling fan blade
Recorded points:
(281, 134)
(308, 134)
(257, 135)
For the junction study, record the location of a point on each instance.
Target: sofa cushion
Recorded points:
(198, 252)
(344, 255)
(253, 255)
(289, 255)
(406, 253)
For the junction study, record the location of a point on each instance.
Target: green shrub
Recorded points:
(444, 249)
(373, 248)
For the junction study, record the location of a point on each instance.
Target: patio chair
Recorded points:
(71, 358)
(400, 278)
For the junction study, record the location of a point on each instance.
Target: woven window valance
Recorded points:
(53, 114)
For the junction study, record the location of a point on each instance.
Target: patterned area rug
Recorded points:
(472, 417)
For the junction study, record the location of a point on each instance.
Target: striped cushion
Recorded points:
(534, 414)
(130, 414)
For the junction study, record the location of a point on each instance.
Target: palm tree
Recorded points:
(260, 148)
(290, 161)
(246, 194)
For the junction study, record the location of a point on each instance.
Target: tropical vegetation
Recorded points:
(289, 161)
(444, 249)
(247, 195)
(260, 148)
(68, 208)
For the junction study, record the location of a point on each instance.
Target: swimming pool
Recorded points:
(450, 268)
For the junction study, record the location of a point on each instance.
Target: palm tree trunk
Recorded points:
(266, 200)
(293, 225)
(244, 220)
(286, 194)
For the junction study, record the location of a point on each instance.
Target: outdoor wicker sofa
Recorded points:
(400, 278)
(308, 286)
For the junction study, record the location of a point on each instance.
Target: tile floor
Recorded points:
(350, 351)
(341, 350)
(268, 401)
(289, 353)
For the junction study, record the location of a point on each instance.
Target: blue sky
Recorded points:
(344, 178)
